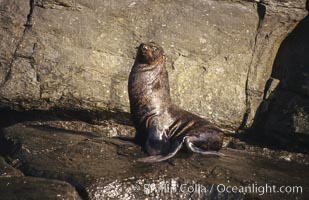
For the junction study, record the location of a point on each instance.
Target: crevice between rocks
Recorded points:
(261, 10)
(28, 25)
(9, 147)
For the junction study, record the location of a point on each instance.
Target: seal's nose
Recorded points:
(144, 47)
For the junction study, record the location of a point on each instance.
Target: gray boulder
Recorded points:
(77, 54)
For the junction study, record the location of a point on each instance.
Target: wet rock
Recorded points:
(268, 152)
(220, 53)
(72, 156)
(100, 167)
(159, 188)
(7, 170)
(106, 128)
(35, 188)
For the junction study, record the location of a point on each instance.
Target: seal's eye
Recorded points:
(154, 48)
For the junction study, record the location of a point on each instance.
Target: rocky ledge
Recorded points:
(239, 63)
(44, 159)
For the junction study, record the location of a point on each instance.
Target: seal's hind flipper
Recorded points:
(204, 152)
(190, 145)
(158, 158)
(152, 159)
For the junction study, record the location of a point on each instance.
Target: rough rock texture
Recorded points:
(7, 170)
(14, 185)
(276, 20)
(62, 61)
(100, 167)
(284, 113)
(77, 54)
(15, 188)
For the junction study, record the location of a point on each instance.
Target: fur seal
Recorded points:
(162, 127)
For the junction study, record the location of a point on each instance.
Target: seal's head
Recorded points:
(149, 53)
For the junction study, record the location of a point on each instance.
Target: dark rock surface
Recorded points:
(7, 170)
(276, 21)
(101, 167)
(77, 54)
(15, 188)
(284, 112)
(14, 185)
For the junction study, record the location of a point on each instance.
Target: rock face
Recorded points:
(284, 113)
(276, 20)
(77, 54)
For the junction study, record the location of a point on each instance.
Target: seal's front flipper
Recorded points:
(158, 158)
(190, 145)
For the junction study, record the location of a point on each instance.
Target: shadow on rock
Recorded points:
(10, 117)
(282, 120)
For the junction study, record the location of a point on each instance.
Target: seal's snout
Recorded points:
(149, 53)
(144, 47)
